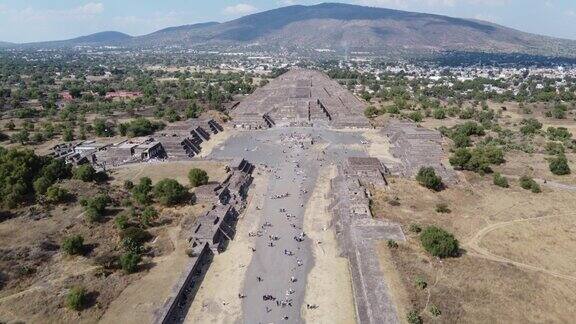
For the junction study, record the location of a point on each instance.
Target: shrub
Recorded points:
(415, 228)
(434, 310)
(439, 242)
(41, 185)
(84, 172)
(414, 318)
(554, 148)
(95, 208)
(128, 185)
(73, 245)
(421, 283)
(500, 180)
(558, 134)
(76, 298)
(443, 208)
(148, 216)
(139, 127)
(439, 113)
(559, 165)
(121, 221)
(141, 191)
(129, 261)
(197, 177)
(392, 244)
(169, 192)
(427, 177)
(416, 116)
(528, 183)
(133, 238)
(370, 111)
(56, 195)
(530, 126)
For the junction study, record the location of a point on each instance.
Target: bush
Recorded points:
(500, 180)
(414, 318)
(121, 221)
(554, 148)
(434, 310)
(427, 177)
(56, 195)
(559, 165)
(439, 113)
(416, 116)
(148, 216)
(197, 177)
(478, 159)
(421, 283)
(169, 192)
(415, 228)
(392, 244)
(139, 127)
(73, 245)
(41, 185)
(76, 298)
(530, 126)
(141, 191)
(443, 208)
(84, 172)
(129, 262)
(558, 134)
(438, 242)
(128, 185)
(133, 238)
(528, 183)
(370, 111)
(95, 208)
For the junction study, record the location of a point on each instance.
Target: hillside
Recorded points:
(344, 27)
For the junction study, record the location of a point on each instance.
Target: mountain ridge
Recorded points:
(341, 27)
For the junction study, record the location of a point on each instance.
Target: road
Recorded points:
(282, 256)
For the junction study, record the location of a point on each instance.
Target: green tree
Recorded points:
(129, 262)
(56, 195)
(73, 245)
(559, 165)
(197, 177)
(77, 298)
(169, 192)
(427, 177)
(439, 242)
(84, 172)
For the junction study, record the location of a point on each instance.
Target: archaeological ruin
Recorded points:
(300, 98)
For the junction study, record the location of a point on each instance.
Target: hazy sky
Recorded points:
(37, 20)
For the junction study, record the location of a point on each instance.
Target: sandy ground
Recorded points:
(160, 170)
(379, 146)
(217, 298)
(215, 140)
(328, 285)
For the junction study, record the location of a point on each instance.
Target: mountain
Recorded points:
(344, 27)
(112, 38)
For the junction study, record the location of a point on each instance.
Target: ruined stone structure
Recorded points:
(300, 98)
(370, 171)
(182, 140)
(102, 154)
(208, 235)
(357, 231)
(417, 147)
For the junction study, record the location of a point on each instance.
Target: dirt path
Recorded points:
(473, 246)
(329, 285)
(217, 298)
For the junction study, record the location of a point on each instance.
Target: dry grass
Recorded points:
(516, 265)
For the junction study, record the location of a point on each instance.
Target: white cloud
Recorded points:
(240, 9)
(570, 13)
(91, 8)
